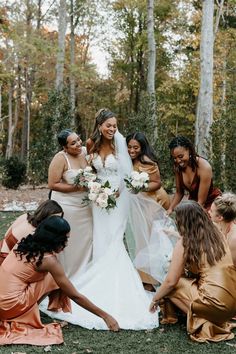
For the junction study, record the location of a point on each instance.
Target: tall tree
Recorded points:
(151, 65)
(205, 97)
(62, 25)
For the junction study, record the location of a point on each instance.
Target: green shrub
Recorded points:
(14, 172)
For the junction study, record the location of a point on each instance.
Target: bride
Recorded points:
(111, 279)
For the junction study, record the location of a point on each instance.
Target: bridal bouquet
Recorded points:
(85, 176)
(101, 194)
(137, 181)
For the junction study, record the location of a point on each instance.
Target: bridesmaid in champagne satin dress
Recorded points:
(62, 171)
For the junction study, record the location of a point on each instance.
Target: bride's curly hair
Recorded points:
(200, 235)
(100, 117)
(50, 236)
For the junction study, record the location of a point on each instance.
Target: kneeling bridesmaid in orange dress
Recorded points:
(27, 275)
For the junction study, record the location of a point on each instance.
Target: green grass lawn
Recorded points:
(166, 339)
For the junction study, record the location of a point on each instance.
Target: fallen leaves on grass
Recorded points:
(231, 345)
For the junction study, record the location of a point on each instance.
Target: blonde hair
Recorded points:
(226, 206)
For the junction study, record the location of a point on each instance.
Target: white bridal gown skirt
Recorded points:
(111, 281)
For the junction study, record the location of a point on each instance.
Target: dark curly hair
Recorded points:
(45, 209)
(100, 117)
(200, 235)
(146, 149)
(184, 142)
(50, 236)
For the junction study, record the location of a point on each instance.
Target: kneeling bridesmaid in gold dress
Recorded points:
(209, 298)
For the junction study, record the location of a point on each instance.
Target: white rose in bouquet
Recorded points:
(94, 187)
(102, 200)
(85, 176)
(92, 196)
(137, 181)
(101, 194)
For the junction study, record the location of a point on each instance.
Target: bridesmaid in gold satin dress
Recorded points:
(30, 273)
(144, 160)
(223, 214)
(208, 299)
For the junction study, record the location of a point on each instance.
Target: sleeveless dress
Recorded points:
(10, 240)
(194, 188)
(111, 281)
(78, 252)
(160, 196)
(21, 286)
(213, 300)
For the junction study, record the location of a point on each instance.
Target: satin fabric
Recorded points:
(76, 255)
(194, 188)
(21, 287)
(14, 234)
(212, 299)
(111, 281)
(160, 196)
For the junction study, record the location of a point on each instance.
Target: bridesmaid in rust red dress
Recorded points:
(26, 224)
(27, 275)
(193, 174)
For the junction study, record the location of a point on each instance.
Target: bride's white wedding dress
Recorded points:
(111, 281)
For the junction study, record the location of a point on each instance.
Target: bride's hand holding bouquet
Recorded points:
(102, 195)
(137, 182)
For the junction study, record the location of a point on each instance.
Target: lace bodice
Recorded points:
(107, 170)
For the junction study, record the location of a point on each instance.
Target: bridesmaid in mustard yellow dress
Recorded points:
(144, 160)
(146, 207)
(208, 299)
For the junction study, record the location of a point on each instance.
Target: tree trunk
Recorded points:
(62, 24)
(205, 98)
(9, 133)
(72, 62)
(151, 65)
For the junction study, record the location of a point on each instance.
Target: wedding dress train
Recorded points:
(111, 281)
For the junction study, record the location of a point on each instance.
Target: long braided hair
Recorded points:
(182, 141)
(50, 236)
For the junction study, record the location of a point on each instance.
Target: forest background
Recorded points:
(48, 79)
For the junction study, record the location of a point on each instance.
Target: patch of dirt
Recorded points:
(24, 198)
